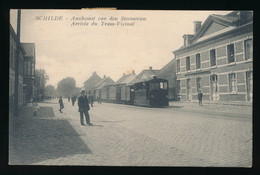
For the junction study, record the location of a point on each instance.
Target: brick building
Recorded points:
(217, 59)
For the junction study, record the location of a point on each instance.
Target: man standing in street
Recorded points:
(200, 95)
(83, 108)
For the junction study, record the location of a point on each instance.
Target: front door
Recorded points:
(214, 87)
(188, 90)
(249, 81)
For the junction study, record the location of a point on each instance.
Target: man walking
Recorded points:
(83, 107)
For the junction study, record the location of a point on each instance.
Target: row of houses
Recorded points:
(111, 91)
(23, 82)
(217, 59)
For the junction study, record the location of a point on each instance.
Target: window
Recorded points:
(33, 69)
(29, 68)
(178, 65)
(248, 49)
(198, 63)
(232, 82)
(187, 63)
(163, 85)
(231, 53)
(198, 80)
(212, 57)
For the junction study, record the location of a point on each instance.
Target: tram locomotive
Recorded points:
(151, 93)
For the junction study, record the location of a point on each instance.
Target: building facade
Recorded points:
(25, 52)
(16, 51)
(29, 71)
(168, 72)
(217, 59)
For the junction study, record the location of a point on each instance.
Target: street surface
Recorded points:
(123, 135)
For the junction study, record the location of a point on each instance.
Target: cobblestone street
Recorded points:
(124, 135)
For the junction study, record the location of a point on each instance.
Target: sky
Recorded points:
(67, 50)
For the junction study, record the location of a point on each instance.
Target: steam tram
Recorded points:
(151, 93)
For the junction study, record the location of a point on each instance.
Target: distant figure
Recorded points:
(83, 105)
(92, 100)
(200, 95)
(61, 104)
(99, 99)
(68, 98)
(35, 108)
(73, 99)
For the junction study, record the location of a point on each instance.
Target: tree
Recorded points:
(66, 87)
(50, 91)
(40, 81)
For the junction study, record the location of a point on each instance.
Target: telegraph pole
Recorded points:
(17, 62)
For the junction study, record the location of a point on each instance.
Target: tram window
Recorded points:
(165, 85)
(161, 85)
(157, 86)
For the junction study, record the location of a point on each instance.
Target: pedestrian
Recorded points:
(200, 95)
(83, 105)
(61, 104)
(68, 98)
(35, 107)
(73, 99)
(92, 100)
(99, 99)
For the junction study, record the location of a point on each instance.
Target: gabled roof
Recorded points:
(217, 22)
(126, 78)
(29, 49)
(167, 71)
(219, 25)
(145, 75)
(90, 83)
(104, 82)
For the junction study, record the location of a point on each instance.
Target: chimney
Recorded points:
(94, 73)
(104, 76)
(133, 71)
(150, 68)
(197, 26)
(187, 39)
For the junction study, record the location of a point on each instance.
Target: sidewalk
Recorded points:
(45, 136)
(208, 106)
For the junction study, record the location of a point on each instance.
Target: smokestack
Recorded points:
(187, 39)
(197, 26)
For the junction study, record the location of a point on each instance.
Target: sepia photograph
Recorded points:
(143, 88)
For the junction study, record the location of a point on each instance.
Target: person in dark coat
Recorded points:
(92, 100)
(83, 108)
(61, 104)
(200, 95)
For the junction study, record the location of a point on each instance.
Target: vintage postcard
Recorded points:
(107, 87)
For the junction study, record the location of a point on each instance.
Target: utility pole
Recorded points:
(17, 62)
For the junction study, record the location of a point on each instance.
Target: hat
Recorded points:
(82, 90)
